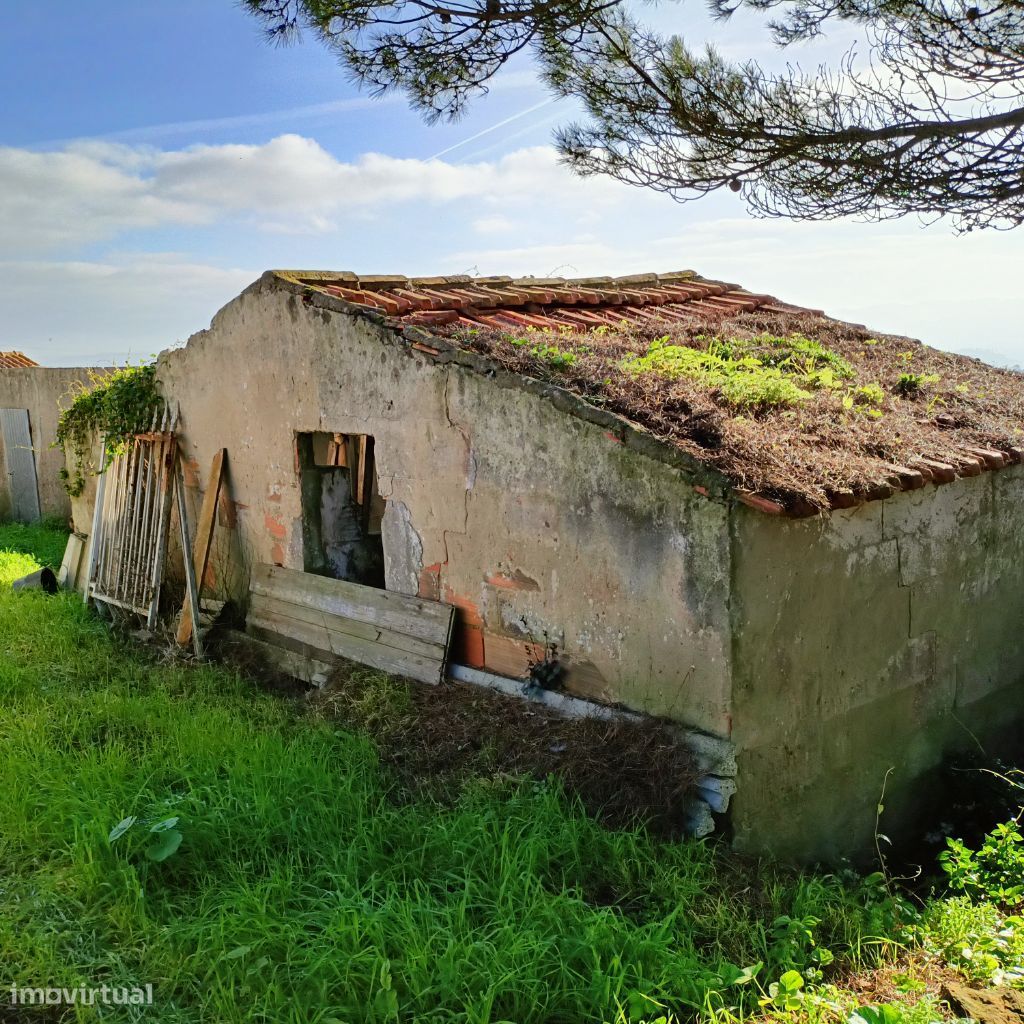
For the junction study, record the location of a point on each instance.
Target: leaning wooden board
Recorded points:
(324, 618)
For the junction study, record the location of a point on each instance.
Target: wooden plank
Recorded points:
(95, 537)
(166, 452)
(310, 641)
(186, 550)
(338, 626)
(204, 539)
(367, 475)
(337, 451)
(428, 620)
(289, 663)
(67, 577)
(20, 459)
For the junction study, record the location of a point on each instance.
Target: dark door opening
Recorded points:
(342, 508)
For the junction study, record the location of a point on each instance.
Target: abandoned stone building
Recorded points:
(829, 635)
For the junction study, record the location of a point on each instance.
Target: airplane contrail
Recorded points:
(493, 127)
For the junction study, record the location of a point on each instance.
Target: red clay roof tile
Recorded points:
(444, 304)
(15, 360)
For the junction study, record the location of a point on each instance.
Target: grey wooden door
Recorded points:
(20, 464)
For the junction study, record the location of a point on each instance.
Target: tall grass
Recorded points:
(307, 888)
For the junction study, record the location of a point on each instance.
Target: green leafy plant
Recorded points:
(786, 994)
(995, 871)
(865, 400)
(553, 357)
(890, 1013)
(156, 837)
(909, 385)
(798, 354)
(743, 381)
(984, 943)
(114, 405)
(869, 394)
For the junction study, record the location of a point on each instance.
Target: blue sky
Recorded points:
(158, 157)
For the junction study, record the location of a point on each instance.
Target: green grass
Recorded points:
(23, 549)
(309, 888)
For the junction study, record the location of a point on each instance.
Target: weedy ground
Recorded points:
(790, 405)
(258, 861)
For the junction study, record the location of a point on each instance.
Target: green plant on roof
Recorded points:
(749, 373)
(909, 385)
(865, 399)
(114, 406)
(799, 354)
(553, 357)
(761, 391)
(869, 394)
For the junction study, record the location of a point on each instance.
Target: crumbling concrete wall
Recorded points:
(873, 639)
(829, 650)
(534, 524)
(43, 391)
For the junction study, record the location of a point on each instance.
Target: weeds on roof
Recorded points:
(551, 356)
(909, 385)
(791, 405)
(753, 374)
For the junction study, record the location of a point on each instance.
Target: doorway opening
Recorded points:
(342, 509)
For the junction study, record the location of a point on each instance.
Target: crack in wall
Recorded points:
(471, 467)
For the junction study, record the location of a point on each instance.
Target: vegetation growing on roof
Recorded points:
(794, 406)
(911, 384)
(552, 356)
(113, 405)
(749, 374)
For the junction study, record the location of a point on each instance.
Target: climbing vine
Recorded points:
(114, 405)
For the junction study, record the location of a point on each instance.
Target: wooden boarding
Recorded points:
(71, 565)
(287, 662)
(325, 619)
(204, 539)
(191, 588)
(20, 457)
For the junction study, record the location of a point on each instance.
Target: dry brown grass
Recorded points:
(801, 454)
(435, 737)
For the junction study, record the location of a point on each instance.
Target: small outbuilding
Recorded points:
(780, 530)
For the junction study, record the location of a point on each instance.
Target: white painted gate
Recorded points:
(20, 464)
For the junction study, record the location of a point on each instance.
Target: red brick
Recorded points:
(762, 504)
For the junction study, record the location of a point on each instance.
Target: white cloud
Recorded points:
(495, 225)
(109, 311)
(289, 202)
(70, 197)
(93, 191)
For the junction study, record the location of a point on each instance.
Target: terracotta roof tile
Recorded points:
(13, 360)
(444, 304)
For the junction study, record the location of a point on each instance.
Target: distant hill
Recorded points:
(992, 357)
